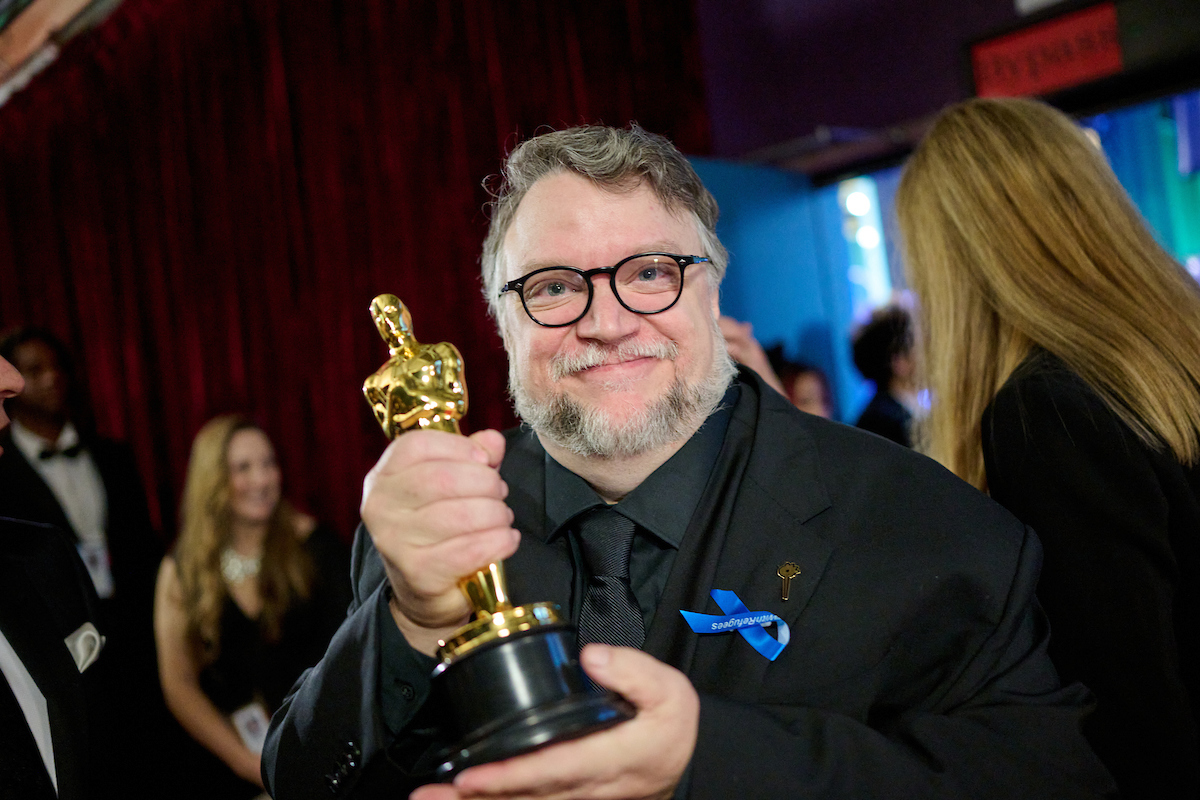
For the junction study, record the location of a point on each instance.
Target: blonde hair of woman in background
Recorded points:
(206, 530)
(1017, 234)
(1061, 345)
(232, 513)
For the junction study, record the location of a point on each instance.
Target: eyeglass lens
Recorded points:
(647, 284)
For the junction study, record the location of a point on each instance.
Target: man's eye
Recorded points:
(649, 276)
(546, 289)
(551, 287)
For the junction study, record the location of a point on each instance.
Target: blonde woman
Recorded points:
(247, 600)
(1061, 345)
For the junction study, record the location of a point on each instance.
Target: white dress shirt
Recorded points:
(79, 489)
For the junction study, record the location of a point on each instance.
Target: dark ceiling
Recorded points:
(830, 86)
(777, 70)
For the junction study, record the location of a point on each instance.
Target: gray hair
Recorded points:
(612, 158)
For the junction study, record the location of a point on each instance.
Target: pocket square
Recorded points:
(85, 645)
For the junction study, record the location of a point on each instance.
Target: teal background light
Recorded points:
(1142, 145)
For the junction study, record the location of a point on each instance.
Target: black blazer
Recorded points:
(135, 552)
(1120, 522)
(45, 596)
(917, 663)
(887, 417)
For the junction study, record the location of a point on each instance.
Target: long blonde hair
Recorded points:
(205, 531)
(1017, 235)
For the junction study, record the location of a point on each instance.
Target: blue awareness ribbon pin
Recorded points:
(750, 624)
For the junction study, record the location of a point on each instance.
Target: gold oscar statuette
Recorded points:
(511, 675)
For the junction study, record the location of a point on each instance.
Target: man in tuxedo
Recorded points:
(56, 734)
(55, 470)
(892, 645)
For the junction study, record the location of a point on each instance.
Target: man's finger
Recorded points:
(458, 516)
(415, 447)
(447, 562)
(493, 443)
(435, 791)
(638, 677)
(550, 772)
(431, 481)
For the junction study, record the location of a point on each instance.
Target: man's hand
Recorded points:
(434, 504)
(643, 758)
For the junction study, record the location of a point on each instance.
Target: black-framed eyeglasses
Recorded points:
(647, 283)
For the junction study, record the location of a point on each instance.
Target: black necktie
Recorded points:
(22, 771)
(610, 612)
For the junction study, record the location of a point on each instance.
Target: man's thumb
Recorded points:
(640, 678)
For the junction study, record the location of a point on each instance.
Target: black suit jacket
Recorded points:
(135, 552)
(887, 417)
(1121, 525)
(917, 663)
(45, 596)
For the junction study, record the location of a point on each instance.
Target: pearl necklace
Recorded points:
(237, 567)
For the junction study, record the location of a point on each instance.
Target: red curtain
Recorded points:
(203, 196)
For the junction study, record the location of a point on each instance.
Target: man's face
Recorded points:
(45, 392)
(11, 384)
(634, 362)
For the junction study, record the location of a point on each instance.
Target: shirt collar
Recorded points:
(31, 445)
(682, 478)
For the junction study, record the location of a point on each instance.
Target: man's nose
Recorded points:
(12, 383)
(606, 319)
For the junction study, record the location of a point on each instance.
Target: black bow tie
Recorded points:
(66, 452)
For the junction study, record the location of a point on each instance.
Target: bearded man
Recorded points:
(916, 662)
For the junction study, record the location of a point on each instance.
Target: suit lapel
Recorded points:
(694, 570)
(725, 548)
(36, 619)
(29, 606)
(26, 495)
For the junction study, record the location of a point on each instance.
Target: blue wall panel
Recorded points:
(787, 267)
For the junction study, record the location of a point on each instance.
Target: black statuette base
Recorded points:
(518, 694)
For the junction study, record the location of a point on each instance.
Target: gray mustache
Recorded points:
(594, 355)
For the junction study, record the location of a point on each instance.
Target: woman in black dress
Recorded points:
(247, 600)
(1061, 345)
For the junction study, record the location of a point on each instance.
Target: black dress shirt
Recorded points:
(660, 526)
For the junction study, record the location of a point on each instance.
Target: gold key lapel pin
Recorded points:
(787, 571)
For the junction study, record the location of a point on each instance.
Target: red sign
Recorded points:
(1045, 57)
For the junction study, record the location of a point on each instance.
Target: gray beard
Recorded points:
(588, 431)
